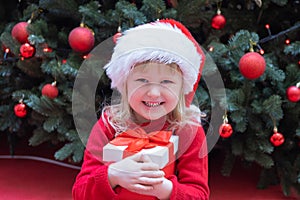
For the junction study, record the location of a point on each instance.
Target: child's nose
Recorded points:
(153, 91)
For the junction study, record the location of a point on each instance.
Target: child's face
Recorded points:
(153, 90)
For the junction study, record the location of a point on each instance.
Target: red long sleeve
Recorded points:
(190, 183)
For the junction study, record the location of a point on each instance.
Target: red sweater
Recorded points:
(190, 181)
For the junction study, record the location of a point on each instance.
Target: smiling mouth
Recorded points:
(152, 104)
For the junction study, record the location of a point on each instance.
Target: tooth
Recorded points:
(150, 104)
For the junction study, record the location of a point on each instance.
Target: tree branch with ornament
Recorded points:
(252, 65)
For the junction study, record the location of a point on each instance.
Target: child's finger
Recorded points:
(138, 157)
(145, 158)
(149, 166)
(153, 174)
(150, 181)
(139, 188)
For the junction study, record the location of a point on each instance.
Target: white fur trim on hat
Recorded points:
(156, 41)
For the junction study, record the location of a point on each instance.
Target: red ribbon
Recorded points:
(138, 139)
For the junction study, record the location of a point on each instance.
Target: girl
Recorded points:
(156, 68)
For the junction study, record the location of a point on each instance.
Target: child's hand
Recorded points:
(161, 191)
(135, 173)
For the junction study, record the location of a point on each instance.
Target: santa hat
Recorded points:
(166, 41)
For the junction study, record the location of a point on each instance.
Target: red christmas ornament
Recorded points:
(252, 65)
(20, 33)
(218, 21)
(20, 110)
(50, 90)
(81, 39)
(117, 35)
(225, 130)
(26, 50)
(277, 139)
(293, 93)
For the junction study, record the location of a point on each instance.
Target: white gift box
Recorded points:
(158, 154)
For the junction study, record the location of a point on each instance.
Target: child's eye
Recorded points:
(142, 80)
(167, 81)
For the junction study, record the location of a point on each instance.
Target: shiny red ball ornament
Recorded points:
(20, 33)
(225, 130)
(116, 37)
(293, 93)
(81, 39)
(20, 110)
(27, 51)
(50, 90)
(252, 65)
(277, 139)
(218, 21)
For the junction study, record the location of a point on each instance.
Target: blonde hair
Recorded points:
(120, 116)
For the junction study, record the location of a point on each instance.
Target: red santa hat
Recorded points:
(166, 41)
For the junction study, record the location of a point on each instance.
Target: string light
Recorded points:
(47, 50)
(287, 41)
(272, 37)
(267, 26)
(261, 51)
(86, 56)
(211, 49)
(6, 52)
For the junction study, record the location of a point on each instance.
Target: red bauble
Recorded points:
(26, 50)
(293, 93)
(225, 130)
(218, 21)
(50, 90)
(81, 39)
(116, 36)
(20, 33)
(252, 65)
(20, 110)
(277, 139)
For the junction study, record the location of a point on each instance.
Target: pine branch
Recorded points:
(293, 49)
(73, 149)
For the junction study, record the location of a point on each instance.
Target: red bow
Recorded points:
(138, 139)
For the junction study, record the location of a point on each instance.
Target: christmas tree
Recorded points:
(255, 45)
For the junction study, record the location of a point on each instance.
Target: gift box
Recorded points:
(160, 149)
